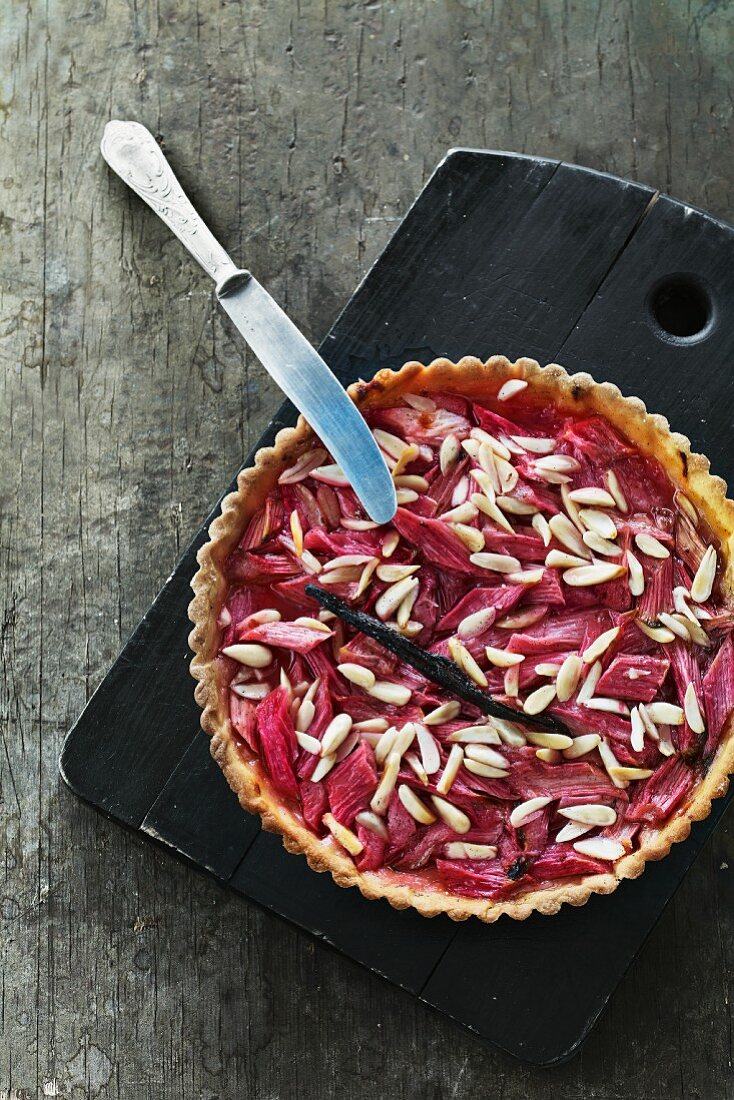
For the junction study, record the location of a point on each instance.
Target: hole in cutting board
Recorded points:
(681, 309)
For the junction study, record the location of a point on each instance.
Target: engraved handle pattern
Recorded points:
(132, 152)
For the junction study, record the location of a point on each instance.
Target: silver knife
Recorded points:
(287, 356)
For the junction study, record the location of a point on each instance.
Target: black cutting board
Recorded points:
(500, 253)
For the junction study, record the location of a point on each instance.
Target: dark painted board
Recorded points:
(400, 945)
(499, 253)
(197, 813)
(579, 954)
(689, 382)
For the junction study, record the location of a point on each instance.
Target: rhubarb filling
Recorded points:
(565, 574)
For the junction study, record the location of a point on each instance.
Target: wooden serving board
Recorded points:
(500, 253)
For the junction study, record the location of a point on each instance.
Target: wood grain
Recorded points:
(302, 133)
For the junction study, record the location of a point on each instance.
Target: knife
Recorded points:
(132, 152)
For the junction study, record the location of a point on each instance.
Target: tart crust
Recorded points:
(578, 393)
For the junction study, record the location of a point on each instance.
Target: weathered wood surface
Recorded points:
(303, 133)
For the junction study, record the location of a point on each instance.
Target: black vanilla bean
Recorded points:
(439, 670)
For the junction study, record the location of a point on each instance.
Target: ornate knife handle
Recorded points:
(132, 152)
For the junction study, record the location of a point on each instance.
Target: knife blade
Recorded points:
(133, 153)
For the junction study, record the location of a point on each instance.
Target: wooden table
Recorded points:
(302, 134)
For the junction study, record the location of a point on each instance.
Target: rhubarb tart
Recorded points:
(556, 547)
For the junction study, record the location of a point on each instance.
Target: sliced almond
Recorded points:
(357, 674)
(593, 497)
(391, 444)
(667, 713)
(420, 402)
(459, 849)
(526, 576)
(396, 694)
(608, 706)
(571, 832)
(486, 459)
(309, 743)
(524, 810)
(416, 764)
(657, 633)
(636, 578)
(548, 756)
(335, 732)
(452, 816)
(477, 623)
(590, 813)
(487, 771)
(557, 464)
(686, 506)
(599, 545)
(466, 662)
(616, 490)
(538, 700)
(610, 762)
(463, 513)
(509, 733)
(497, 563)
(386, 786)
(568, 677)
(415, 807)
(390, 574)
(304, 716)
(629, 775)
(678, 624)
(560, 559)
(567, 534)
(372, 725)
(311, 624)
(445, 713)
(477, 735)
(369, 820)
(587, 575)
(489, 508)
(302, 467)
(345, 836)
(600, 847)
(537, 445)
(599, 522)
(600, 645)
(514, 507)
(651, 546)
(405, 496)
(384, 746)
(449, 453)
(353, 524)
(390, 600)
(582, 745)
(451, 769)
(404, 739)
(549, 740)
(540, 524)
(250, 654)
(588, 687)
(483, 436)
(508, 477)
(547, 668)
(511, 681)
(390, 544)
(430, 756)
(502, 658)
(703, 582)
(487, 755)
(402, 616)
(322, 769)
(571, 510)
(255, 692)
(510, 388)
(693, 710)
(472, 538)
(637, 735)
(520, 619)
